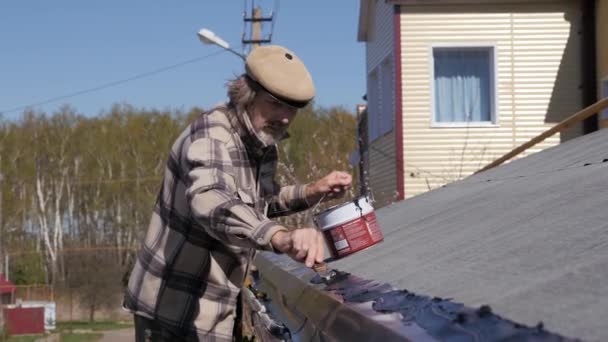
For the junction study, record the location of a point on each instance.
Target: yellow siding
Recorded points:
(538, 77)
(382, 170)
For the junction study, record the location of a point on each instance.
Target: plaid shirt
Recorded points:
(211, 214)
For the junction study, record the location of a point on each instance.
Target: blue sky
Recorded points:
(55, 48)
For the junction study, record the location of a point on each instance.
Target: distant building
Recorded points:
(7, 290)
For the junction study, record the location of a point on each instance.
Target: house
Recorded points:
(455, 84)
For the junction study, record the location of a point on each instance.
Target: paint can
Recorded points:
(349, 227)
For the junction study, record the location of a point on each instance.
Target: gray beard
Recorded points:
(267, 138)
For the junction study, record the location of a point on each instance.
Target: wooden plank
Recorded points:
(579, 116)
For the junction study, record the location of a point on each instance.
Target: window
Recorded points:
(373, 107)
(380, 99)
(387, 105)
(464, 88)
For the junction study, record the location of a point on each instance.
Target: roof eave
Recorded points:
(363, 12)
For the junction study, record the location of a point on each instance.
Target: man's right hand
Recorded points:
(303, 245)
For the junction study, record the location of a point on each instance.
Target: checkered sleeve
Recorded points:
(217, 204)
(288, 200)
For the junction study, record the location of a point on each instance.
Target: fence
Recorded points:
(89, 286)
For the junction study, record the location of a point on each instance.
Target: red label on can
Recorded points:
(354, 235)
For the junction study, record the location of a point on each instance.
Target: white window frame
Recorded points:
(494, 115)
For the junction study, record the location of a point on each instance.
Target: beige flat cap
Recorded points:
(281, 73)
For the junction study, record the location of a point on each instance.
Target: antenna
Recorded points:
(253, 25)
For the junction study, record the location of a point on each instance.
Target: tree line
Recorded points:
(73, 184)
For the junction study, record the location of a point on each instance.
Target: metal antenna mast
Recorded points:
(255, 25)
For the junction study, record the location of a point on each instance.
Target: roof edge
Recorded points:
(307, 309)
(363, 15)
(322, 304)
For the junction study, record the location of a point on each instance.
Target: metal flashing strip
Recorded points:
(349, 308)
(313, 314)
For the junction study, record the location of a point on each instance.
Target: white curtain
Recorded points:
(463, 87)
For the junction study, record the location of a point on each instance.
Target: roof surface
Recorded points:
(529, 238)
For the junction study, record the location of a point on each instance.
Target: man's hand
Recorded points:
(303, 245)
(334, 185)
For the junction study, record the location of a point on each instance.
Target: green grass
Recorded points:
(65, 337)
(80, 337)
(27, 338)
(90, 331)
(94, 326)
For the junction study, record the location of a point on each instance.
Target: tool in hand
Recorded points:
(320, 267)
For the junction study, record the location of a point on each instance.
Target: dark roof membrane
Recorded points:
(529, 239)
(442, 319)
(339, 306)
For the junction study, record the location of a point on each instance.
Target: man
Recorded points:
(216, 202)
